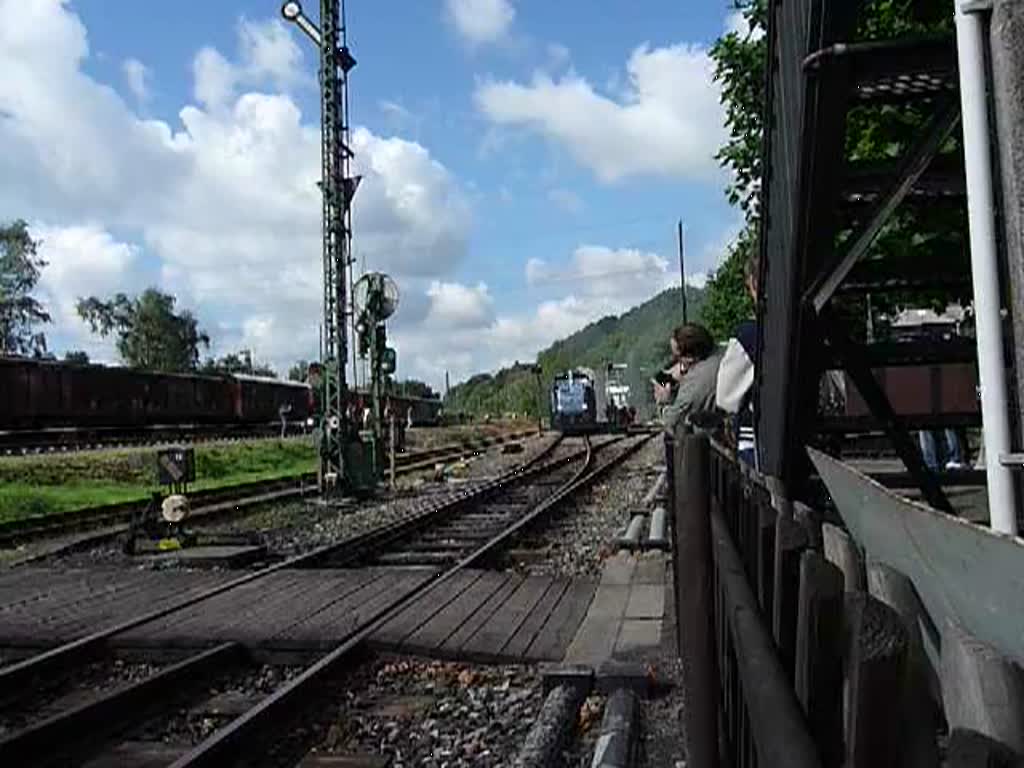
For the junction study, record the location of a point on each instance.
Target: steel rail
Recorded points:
(227, 745)
(59, 738)
(17, 680)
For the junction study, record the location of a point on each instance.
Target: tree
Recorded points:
(150, 335)
(299, 371)
(19, 274)
(874, 132)
(727, 301)
(415, 388)
(76, 356)
(240, 362)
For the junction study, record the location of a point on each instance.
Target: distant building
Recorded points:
(918, 324)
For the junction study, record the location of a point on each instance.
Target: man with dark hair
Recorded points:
(735, 384)
(694, 369)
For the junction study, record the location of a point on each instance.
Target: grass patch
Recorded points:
(42, 485)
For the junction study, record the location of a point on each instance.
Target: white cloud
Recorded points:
(481, 21)
(598, 271)
(737, 22)
(137, 76)
(598, 281)
(455, 306)
(268, 55)
(668, 122)
(82, 260)
(565, 199)
(224, 200)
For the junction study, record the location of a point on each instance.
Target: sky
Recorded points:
(524, 164)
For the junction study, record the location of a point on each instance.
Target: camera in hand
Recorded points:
(661, 377)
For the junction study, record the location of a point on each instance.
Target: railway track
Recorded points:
(218, 501)
(94, 730)
(70, 439)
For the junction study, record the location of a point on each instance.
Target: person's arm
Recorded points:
(694, 394)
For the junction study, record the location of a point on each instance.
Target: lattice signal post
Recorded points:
(339, 436)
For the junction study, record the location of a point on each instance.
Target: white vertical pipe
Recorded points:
(984, 268)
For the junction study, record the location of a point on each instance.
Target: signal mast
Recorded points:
(342, 460)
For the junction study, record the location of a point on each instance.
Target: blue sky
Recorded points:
(524, 163)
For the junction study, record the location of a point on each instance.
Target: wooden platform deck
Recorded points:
(483, 615)
(43, 607)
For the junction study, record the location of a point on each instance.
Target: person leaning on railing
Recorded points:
(694, 370)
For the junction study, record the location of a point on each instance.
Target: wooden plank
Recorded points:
(756, 689)
(551, 642)
(819, 653)
(790, 541)
(115, 611)
(594, 641)
(921, 714)
(329, 627)
(102, 608)
(766, 558)
(488, 641)
(447, 621)
(517, 645)
(453, 645)
(877, 653)
(213, 614)
(693, 562)
(423, 607)
(139, 754)
(982, 691)
(842, 553)
(319, 597)
(950, 561)
(970, 749)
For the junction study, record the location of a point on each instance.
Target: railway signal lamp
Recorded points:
(292, 11)
(389, 360)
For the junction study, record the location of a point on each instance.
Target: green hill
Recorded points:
(638, 338)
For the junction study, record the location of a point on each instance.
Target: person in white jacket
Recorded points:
(735, 382)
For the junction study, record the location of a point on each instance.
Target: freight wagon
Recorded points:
(45, 394)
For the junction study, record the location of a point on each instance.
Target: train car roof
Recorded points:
(41, 361)
(269, 380)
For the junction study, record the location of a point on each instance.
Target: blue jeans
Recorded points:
(928, 448)
(746, 455)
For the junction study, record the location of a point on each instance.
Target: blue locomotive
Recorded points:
(574, 402)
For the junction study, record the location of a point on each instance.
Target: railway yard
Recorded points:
(486, 611)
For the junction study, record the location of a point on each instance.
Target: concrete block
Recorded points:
(579, 677)
(616, 745)
(630, 675)
(618, 570)
(650, 569)
(637, 635)
(646, 601)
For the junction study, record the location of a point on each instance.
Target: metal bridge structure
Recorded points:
(824, 209)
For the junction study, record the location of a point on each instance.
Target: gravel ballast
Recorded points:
(295, 527)
(427, 713)
(87, 682)
(580, 536)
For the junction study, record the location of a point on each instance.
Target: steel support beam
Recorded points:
(913, 165)
(858, 367)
